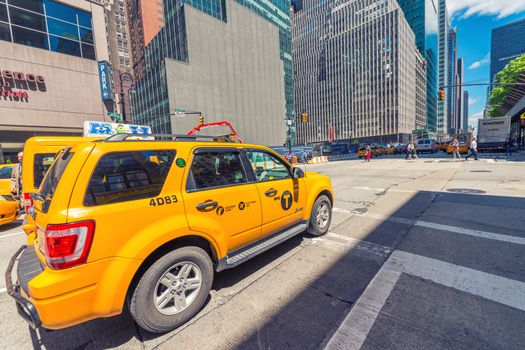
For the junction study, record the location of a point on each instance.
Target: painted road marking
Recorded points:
(3, 290)
(11, 234)
(353, 331)
(448, 228)
(354, 243)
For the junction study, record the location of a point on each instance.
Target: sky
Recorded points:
(474, 21)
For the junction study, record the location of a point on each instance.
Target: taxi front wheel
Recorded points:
(321, 216)
(172, 290)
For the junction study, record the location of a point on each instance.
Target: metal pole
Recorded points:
(122, 102)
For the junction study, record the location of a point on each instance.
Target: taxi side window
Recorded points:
(127, 176)
(267, 167)
(5, 172)
(211, 169)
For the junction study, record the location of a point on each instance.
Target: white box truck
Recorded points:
(493, 133)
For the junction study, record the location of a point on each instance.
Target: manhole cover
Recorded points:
(465, 190)
(481, 171)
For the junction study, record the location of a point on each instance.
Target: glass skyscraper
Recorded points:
(150, 99)
(507, 43)
(422, 16)
(442, 117)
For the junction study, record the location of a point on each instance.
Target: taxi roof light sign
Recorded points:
(105, 129)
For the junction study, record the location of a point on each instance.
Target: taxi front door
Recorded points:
(282, 196)
(219, 200)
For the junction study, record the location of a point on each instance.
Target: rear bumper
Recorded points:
(25, 308)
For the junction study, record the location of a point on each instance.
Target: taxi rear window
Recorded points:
(5, 172)
(127, 176)
(41, 165)
(53, 176)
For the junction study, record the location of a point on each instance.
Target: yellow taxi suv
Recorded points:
(9, 206)
(143, 225)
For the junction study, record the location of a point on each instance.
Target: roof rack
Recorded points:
(173, 137)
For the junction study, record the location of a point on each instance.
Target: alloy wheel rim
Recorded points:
(323, 215)
(177, 288)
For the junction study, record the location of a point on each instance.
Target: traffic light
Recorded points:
(201, 120)
(441, 95)
(304, 117)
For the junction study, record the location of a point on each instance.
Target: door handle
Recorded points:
(271, 192)
(207, 206)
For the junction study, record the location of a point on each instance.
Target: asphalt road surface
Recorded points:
(422, 254)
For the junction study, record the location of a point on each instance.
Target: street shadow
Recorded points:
(309, 317)
(11, 225)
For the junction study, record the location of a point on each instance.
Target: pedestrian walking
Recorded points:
(508, 147)
(410, 147)
(414, 151)
(473, 151)
(368, 153)
(16, 176)
(455, 149)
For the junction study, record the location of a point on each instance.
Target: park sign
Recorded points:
(104, 129)
(104, 74)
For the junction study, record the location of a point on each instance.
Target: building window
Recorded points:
(47, 24)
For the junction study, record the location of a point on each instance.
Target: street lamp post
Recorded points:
(124, 76)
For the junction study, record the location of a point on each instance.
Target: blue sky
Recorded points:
(474, 20)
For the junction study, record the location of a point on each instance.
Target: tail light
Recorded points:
(28, 202)
(68, 245)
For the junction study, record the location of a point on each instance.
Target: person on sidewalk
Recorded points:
(414, 151)
(455, 149)
(368, 153)
(473, 151)
(410, 148)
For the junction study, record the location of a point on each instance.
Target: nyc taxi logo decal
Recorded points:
(286, 200)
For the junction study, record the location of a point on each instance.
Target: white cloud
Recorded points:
(485, 60)
(473, 118)
(500, 8)
(472, 100)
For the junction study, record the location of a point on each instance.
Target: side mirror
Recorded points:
(298, 173)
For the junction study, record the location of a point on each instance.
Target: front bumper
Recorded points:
(25, 308)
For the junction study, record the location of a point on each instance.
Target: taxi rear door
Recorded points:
(220, 199)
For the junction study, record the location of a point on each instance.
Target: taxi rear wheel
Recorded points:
(172, 290)
(321, 216)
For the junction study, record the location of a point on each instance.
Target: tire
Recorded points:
(315, 228)
(142, 304)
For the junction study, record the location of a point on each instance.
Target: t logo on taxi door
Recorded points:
(286, 200)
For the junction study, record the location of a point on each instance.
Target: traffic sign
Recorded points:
(116, 117)
(522, 116)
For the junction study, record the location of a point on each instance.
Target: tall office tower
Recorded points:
(421, 91)
(146, 19)
(221, 59)
(450, 96)
(119, 51)
(170, 42)
(422, 15)
(442, 117)
(458, 93)
(464, 121)
(507, 43)
(354, 71)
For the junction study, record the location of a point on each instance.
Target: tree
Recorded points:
(509, 74)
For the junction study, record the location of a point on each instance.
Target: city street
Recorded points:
(421, 254)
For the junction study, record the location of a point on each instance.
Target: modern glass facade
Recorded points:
(442, 117)
(151, 106)
(507, 43)
(450, 93)
(423, 19)
(47, 24)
